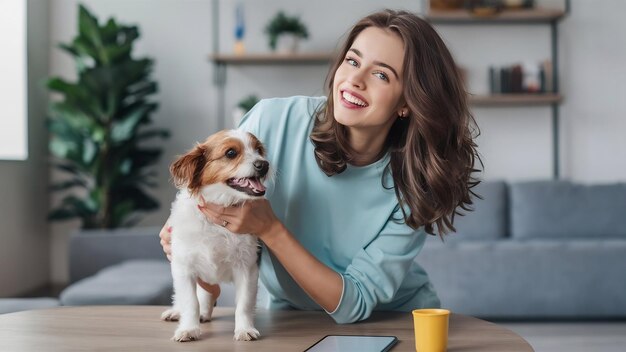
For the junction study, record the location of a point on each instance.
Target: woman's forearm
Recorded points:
(320, 282)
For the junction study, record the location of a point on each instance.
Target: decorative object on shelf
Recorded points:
(518, 4)
(446, 4)
(484, 8)
(285, 33)
(243, 106)
(521, 78)
(240, 30)
(97, 128)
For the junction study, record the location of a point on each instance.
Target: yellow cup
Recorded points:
(431, 329)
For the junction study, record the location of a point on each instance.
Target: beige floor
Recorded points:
(573, 337)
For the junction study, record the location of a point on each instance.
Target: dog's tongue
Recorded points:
(257, 184)
(253, 183)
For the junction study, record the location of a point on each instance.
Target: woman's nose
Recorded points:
(356, 79)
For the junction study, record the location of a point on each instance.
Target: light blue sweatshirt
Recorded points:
(345, 221)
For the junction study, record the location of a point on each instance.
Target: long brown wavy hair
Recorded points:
(432, 151)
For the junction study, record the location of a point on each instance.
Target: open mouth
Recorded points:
(353, 100)
(251, 186)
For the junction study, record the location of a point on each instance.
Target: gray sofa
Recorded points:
(549, 249)
(126, 266)
(530, 250)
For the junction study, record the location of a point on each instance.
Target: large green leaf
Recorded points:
(61, 86)
(82, 206)
(72, 169)
(145, 157)
(116, 53)
(138, 92)
(62, 148)
(69, 49)
(88, 28)
(63, 214)
(90, 149)
(141, 200)
(64, 185)
(110, 32)
(129, 34)
(84, 48)
(122, 210)
(75, 119)
(126, 127)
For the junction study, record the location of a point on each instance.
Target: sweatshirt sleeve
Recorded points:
(377, 271)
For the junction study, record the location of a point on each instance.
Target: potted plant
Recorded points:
(285, 32)
(99, 126)
(243, 106)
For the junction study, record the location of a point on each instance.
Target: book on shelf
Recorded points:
(521, 78)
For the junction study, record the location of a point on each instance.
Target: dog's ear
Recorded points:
(187, 169)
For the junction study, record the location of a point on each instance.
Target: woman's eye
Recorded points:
(351, 62)
(382, 76)
(231, 153)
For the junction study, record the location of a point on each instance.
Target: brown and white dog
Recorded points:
(227, 169)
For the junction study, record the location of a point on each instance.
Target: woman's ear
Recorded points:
(187, 169)
(403, 112)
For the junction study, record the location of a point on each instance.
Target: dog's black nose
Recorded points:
(261, 167)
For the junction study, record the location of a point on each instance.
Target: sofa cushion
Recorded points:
(488, 220)
(133, 282)
(561, 209)
(534, 278)
(93, 250)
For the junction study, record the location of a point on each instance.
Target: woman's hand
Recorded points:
(254, 217)
(166, 240)
(166, 243)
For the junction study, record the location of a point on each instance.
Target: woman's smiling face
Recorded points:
(368, 85)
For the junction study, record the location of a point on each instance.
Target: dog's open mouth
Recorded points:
(251, 186)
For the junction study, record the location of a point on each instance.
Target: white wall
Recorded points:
(594, 72)
(24, 237)
(515, 142)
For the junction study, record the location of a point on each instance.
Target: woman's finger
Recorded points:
(216, 217)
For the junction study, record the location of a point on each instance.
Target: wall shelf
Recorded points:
(272, 58)
(537, 15)
(515, 99)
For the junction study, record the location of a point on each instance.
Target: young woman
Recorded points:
(362, 174)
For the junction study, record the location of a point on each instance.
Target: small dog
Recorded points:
(227, 169)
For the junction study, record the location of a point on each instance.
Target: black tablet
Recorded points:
(347, 343)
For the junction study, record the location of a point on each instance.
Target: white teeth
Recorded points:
(354, 100)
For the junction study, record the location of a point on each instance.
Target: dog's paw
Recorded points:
(184, 335)
(170, 315)
(205, 318)
(246, 334)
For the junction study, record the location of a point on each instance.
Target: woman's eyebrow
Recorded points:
(378, 63)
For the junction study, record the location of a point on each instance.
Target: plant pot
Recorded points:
(287, 43)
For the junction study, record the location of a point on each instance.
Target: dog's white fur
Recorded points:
(210, 252)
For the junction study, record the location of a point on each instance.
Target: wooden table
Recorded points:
(138, 328)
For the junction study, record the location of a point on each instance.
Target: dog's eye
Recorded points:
(259, 150)
(231, 153)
